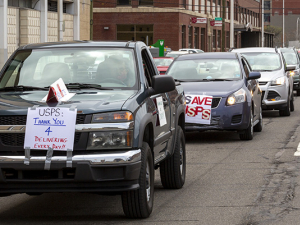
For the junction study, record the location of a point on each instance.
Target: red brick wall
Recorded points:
(289, 5)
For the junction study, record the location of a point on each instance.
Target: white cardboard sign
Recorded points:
(161, 111)
(50, 127)
(60, 91)
(198, 109)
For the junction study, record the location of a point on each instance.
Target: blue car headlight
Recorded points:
(237, 97)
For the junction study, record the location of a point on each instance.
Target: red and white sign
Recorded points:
(198, 20)
(58, 92)
(198, 109)
(216, 23)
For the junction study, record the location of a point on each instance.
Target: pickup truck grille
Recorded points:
(17, 140)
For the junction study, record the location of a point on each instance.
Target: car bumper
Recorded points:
(108, 172)
(274, 97)
(224, 117)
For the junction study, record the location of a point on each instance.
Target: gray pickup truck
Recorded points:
(130, 122)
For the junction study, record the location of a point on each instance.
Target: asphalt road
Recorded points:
(228, 181)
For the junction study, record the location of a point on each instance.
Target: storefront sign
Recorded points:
(198, 20)
(198, 109)
(215, 23)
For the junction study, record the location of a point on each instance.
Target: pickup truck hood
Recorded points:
(212, 88)
(87, 101)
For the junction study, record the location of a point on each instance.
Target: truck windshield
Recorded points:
(110, 67)
(263, 61)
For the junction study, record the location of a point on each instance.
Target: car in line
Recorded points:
(175, 54)
(221, 92)
(275, 82)
(163, 63)
(292, 58)
(191, 50)
(130, 121)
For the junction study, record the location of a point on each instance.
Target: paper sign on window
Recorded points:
(50, 127)
(58, 92)
(198, 109)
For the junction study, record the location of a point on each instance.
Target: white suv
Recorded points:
(276, 84)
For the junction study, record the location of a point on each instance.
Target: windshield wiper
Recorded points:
(176, 80)
(82, 86)
(218, 79)
(23, 88)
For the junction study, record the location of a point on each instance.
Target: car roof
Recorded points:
(254, 49)
(128, 44)
(209, 55)
(178, 52)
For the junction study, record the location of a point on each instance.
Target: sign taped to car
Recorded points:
(198, 109)
(50, 127)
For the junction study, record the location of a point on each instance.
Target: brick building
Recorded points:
(32, 21)
(173, 21)
(273, 16)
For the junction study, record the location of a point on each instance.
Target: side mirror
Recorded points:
(254, 75)
(290, 68)
(162, 84)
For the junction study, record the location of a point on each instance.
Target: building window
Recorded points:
(20, 3)
(214, 39)
(52, 6)
(227, 39)
(183, 36)
(267, 5)
(267, 17)
(196, 37)
(219, 39)
(124, 2)
(128, 32)
(190, 36)
(145, 2)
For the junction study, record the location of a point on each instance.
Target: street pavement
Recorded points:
(228, 181)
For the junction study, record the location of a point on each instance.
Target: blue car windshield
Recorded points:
(206, 69)
(263, 61)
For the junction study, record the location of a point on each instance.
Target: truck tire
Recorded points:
(173, 169)
(139, 203)
(247, 134)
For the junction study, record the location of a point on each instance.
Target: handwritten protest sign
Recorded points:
(198, 109)
(50, 127)
(161, 111)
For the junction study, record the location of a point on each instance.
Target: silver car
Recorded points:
(276, 84)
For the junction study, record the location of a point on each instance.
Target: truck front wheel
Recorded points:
(173, 169)
(139, 203)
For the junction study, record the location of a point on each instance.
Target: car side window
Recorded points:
(246, 68)
(149, 71)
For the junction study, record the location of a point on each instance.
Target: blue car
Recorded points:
(221, 93)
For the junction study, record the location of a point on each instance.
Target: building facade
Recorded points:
(181, 23)
(33, 21)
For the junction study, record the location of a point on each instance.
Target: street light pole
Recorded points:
(231, 25)
(283, 24)
(262, 23)
(297, 31)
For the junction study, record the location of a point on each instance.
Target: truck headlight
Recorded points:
(278, 81)
(116, 137)
(292, 73)
(237, 97)
(110, 140)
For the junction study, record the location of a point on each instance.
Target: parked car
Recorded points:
(175, 54)
(163, 63)
(191, 50)
(292, 58)
(129, 122)
(275, 82)
(221, 93)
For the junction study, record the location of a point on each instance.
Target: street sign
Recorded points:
(218, 19)
(198, 20)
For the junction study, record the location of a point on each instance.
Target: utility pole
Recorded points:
(223, 25)
(231, 24)
(283, 24)
(263, 23)
(91, 20)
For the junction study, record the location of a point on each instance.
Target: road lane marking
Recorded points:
(297, 153)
